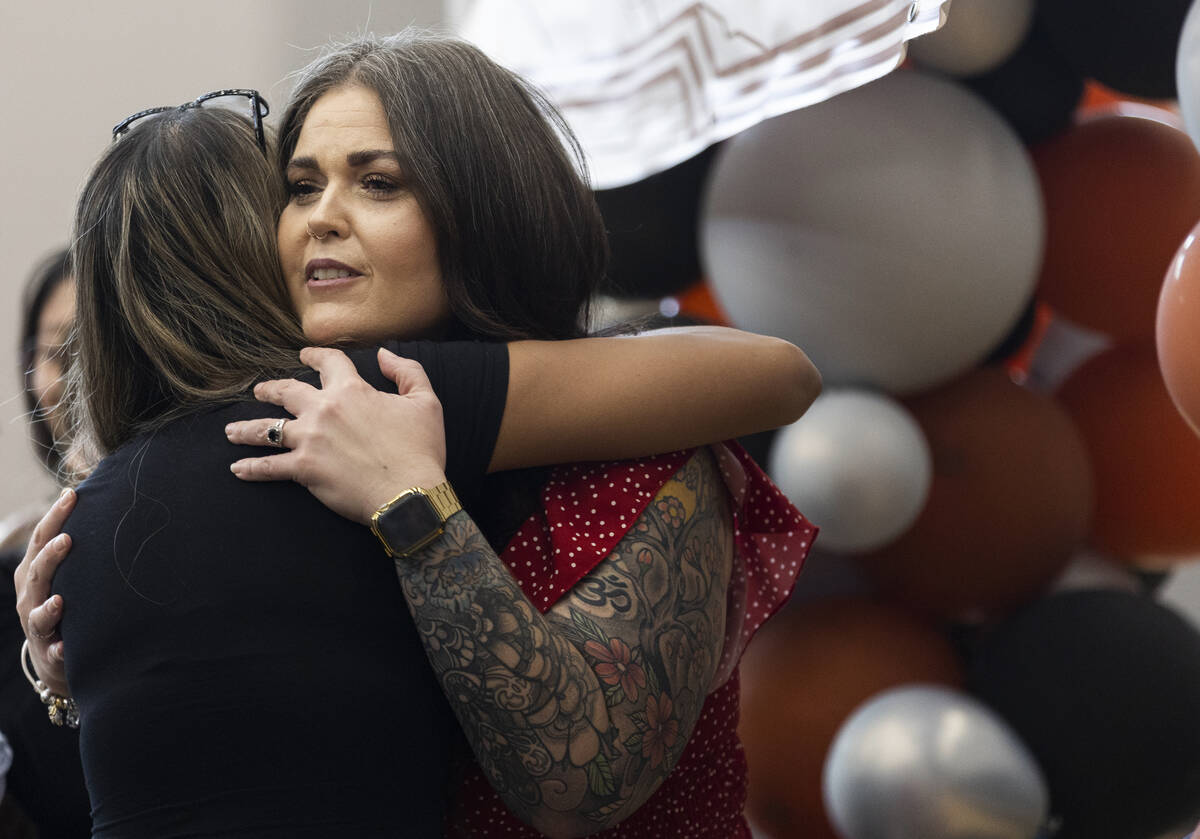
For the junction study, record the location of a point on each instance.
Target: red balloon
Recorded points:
(1010, 502)
(1145, 458)
(1178, 330)
(805, 673)
(1121, 192)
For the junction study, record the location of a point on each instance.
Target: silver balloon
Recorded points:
(925, 762)
(859, 467)
(978, 36)
(1181, 590)
(1187, 72)
(893, 232)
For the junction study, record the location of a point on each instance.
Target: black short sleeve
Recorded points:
(471, 380)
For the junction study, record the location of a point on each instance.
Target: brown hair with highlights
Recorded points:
(180, 300)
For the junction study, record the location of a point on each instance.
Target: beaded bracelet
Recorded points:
(62, 710)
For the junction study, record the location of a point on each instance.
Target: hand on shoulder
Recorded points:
(354, 447)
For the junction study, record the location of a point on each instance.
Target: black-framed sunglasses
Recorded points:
(258, 109)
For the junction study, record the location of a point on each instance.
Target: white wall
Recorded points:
(70, 70)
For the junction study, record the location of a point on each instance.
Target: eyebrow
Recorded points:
(354, 159)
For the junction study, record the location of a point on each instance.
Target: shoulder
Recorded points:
(448, 364)
(179, 471)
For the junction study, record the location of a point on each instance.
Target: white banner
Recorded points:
(647, 84)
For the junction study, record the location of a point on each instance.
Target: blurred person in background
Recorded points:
(45, 788)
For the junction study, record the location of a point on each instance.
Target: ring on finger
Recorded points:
(40, 636)
(275, 433)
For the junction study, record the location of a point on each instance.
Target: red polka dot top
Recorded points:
(586, 510)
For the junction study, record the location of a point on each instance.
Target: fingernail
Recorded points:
(65, 495)
(52, 605)
(60, 541)
(236, 468)
(56, 649)
(228, 430)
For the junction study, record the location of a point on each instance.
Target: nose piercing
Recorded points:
(314, 235)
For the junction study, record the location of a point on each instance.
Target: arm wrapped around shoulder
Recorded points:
(615, 398)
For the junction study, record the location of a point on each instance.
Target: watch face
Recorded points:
(411, 520)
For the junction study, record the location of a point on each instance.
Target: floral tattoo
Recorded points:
(576, 716)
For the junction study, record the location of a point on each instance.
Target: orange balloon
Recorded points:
(1121, 192)
(1010, 501)
(805, 673)
(1178, 330)
(1020, 363)
(1145, 458)
(1096, 95)
(699, 301)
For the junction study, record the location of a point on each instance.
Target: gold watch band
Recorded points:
(444, 500)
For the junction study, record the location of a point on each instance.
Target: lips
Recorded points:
(328, 273)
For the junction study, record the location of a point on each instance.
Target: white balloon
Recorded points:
(1187, 72)
(893, 232)
(978, 36)
(859, 467)
(924, 762)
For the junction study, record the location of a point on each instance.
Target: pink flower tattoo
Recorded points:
(662, 730)
(616, 665)
(672, 510)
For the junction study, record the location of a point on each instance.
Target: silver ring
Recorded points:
(33, 633)
(275, 434)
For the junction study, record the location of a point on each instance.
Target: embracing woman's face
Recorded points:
(373, 274)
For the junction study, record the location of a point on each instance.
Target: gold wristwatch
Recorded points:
(414, 518)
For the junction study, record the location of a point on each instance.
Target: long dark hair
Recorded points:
(520, 240)
(181, 302)
(46, 278)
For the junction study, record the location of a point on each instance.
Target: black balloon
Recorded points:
(758, 445)
(1017, 336)
(1103, 686)
(1036, 90)
(1128, 45)
(653, 230)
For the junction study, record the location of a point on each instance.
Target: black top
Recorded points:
(45, 776)
(243, 659)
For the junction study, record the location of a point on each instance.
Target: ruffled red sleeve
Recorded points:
(772, 540)
(586, 510)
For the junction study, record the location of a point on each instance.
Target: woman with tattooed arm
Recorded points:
(580, 670)
(576, 715)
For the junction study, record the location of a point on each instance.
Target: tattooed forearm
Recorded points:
(576, 716)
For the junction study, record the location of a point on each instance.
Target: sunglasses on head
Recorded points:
(258, 109)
